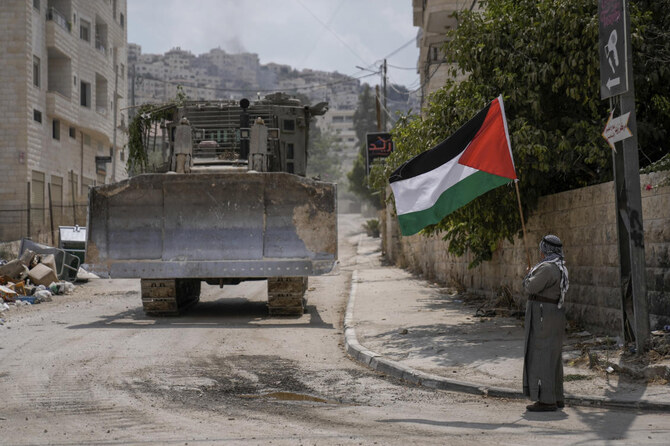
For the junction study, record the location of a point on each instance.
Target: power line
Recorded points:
(401, 68)
(316, 41)
(392, 53)
(413, 39)
(330, 30)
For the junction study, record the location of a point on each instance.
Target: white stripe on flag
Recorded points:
(421, 192)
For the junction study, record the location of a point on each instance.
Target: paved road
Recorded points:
(92, 369)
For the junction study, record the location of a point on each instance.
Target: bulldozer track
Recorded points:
(169, 297)
(286, 296)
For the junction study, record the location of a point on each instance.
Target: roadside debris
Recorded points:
(31, 279)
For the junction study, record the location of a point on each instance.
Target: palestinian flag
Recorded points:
(472, 161)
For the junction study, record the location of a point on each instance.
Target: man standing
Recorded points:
(546, 284)
(183, 147)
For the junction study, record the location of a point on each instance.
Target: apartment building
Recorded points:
(63, 87)
(434, 18)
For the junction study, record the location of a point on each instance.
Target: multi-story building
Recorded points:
(434, 18)
(63, 89)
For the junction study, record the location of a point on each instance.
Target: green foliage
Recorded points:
(542, 56)
(358, 181)
(324, 159)
(365, 116)
(365, 120)
(146, 116)
(659, 166)
(372, 227)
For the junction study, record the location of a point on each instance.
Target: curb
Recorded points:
(377, 362)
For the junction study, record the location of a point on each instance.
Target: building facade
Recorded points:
(63, 86)
(434, 18)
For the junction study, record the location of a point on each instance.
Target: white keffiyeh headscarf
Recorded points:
(552, 248)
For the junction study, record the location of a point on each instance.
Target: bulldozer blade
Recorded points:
(238, 224)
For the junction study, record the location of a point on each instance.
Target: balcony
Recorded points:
(59, 38)
(60, 106)
(54, 15)
(101, 47)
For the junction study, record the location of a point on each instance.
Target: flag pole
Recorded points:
(523, 224)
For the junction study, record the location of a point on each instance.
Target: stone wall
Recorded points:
(584, 219)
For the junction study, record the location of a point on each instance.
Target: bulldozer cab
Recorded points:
(268, 135)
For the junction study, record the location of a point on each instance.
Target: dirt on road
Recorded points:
(91, 368)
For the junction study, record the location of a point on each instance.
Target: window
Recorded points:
(289, 125)
(36, 4)
(85, 30)
(289, 151)
(122, 20)
(55, 129)
(37, 116)
(73, 133)
(85, 94)
(36, 72)
(122, 74)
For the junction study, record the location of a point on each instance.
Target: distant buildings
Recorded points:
(219, 75)
(63, 89)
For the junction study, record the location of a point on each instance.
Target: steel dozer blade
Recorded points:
(213, 225)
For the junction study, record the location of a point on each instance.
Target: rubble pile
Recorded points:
(30, 279)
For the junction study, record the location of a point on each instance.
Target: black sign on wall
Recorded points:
(613, 48)
(379, 145)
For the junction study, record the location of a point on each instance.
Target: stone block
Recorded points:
(42, 275)
(656, 206)
(611, 255)
(659, 302)
(612, 298)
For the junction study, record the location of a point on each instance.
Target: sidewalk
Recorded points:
(419, 332)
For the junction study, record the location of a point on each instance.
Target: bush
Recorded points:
(372, 228)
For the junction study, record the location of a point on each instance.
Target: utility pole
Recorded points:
(116, 111)
(377, 104)
(132, 94)
(616, 83)
(384, 83)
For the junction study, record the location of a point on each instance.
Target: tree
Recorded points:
(324, 155)
(365, 120)
(365, 116)
(542, 56)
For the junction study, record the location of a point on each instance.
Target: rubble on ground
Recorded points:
(30, 279)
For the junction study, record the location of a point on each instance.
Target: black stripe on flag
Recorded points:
(443, 152)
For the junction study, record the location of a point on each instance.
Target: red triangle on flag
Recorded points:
(489, 150)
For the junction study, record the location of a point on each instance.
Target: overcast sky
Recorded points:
(328, 35)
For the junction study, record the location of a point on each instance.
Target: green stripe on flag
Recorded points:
(451, 199)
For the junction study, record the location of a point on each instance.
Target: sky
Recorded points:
(326, 35)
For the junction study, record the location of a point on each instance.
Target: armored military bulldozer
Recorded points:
(239, 207)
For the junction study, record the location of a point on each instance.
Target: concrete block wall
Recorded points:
(585, 220)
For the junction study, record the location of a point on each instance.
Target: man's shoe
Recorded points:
(560, 404)
(541, 407)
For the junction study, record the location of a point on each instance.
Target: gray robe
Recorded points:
(544, 327)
